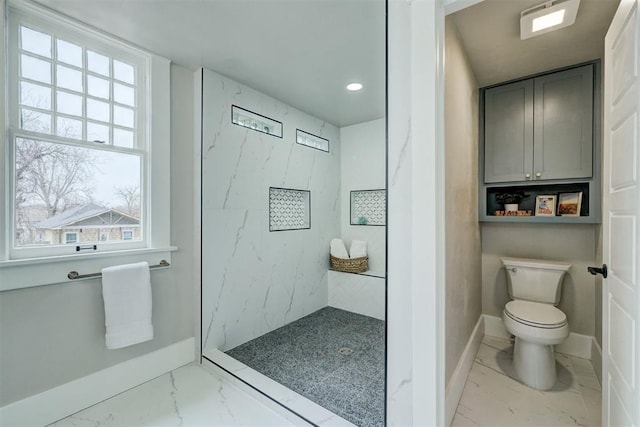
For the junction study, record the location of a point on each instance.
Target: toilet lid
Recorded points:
(535, 314)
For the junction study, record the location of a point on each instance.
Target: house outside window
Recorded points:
(80, 131)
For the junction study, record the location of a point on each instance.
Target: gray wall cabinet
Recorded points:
(540, 128)
(541, 135)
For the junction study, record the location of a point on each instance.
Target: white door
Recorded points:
(621, 222)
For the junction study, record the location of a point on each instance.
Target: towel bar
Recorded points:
(75, 275)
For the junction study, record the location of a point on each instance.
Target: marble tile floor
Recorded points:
(188, 396)
(493, 397)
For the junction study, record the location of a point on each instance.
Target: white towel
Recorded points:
(358, 249)
(126, 290)
(338, 249)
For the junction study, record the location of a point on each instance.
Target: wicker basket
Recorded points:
(350, 265)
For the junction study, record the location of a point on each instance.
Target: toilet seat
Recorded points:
(535, 314)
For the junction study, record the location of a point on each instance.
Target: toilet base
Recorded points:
(535, 364)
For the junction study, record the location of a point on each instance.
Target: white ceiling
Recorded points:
(302, 52)
(490, 33)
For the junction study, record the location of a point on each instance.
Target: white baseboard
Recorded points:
(577, 345)
(460, 374)
(59, 402)
(494, 327)
(596, 359)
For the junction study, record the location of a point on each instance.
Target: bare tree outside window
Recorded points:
(130, 196)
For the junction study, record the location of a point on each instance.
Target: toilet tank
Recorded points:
(535, 280)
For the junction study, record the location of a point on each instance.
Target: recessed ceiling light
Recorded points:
(546, 17)
(353, 87)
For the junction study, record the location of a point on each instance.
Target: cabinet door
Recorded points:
(563, 144)
(508, 132)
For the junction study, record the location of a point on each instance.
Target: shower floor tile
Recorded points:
(333, 357)
(493, 396)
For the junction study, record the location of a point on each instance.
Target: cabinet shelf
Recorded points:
(589, 212)
(542, 219)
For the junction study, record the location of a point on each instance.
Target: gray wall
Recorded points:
(54, 334)
(463, 265)
(573, 243)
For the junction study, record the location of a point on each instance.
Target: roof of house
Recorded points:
(76, 215)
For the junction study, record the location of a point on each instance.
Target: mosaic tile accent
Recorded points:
(289, 209)
(368, 207)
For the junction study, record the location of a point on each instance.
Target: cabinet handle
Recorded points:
(527, 175)
(538, 174)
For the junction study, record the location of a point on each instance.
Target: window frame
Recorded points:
(153, 82)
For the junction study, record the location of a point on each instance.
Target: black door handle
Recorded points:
(596, 270)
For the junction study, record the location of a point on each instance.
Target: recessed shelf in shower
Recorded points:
(289, 209)
(255, 121)
(311, 140)
(368, 207)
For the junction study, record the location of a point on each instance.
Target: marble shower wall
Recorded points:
(255, 281)
(363, 156)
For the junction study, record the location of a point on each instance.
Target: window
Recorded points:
(80, 134)
(127, 234)
(71, 237)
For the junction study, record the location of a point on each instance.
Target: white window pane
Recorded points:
(97, 110)
(124, 94)
(69, 128)
(35, 41)
(58, 183)
(35, 121)
(98, 87)
(97, 132)
(98, 63)
(123, 116)
(123, 72)
(34, 95)
(69, 78)
(122, 138)
(35, 69)
(69, 53)
(68, 103)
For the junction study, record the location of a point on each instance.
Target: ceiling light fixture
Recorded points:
(354, 87)
(546, 17)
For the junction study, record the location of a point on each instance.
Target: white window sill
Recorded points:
(26, 273)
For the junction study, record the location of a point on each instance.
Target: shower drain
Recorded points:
(345, 351)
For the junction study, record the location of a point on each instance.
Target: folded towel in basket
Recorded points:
(338, 249)
(358, 249)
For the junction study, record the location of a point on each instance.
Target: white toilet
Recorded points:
(534, 286)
